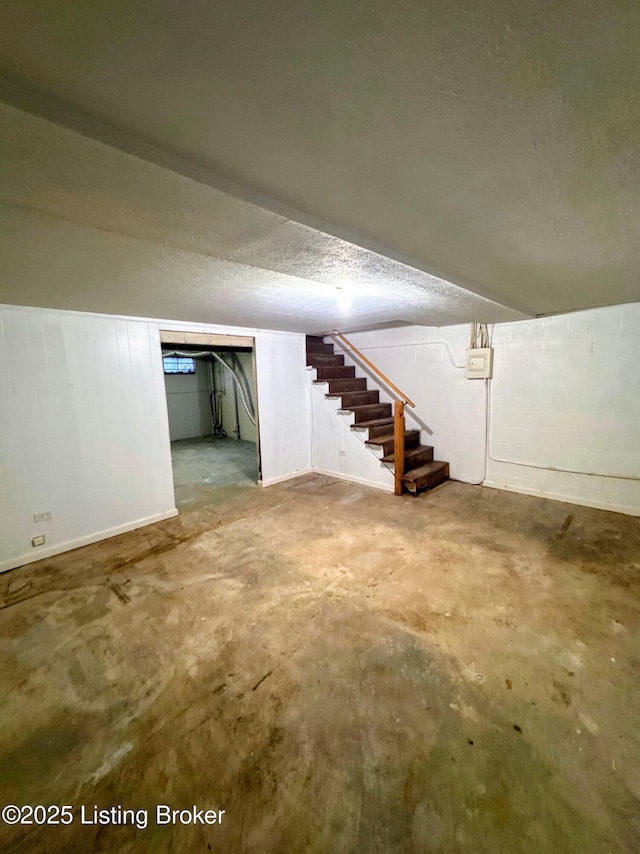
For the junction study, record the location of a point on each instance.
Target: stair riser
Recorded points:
(364, 404)
(417, 459)
(319, 347)
(346, 373)
(358, 398)
(321, 361)
(338, 386)
(382, 410)
(411, 439)
(382, 430)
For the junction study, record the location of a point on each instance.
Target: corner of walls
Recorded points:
(84, 430)
(339, 451)
(427, 363)
(565, 395)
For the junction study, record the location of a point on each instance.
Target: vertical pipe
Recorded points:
(235, 401)
(398, 445)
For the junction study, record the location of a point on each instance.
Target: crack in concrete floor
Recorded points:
(340, 670)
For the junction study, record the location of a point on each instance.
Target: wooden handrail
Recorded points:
(384, 378)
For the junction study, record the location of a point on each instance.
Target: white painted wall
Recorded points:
(248, 432)
(449, 409)
(188, 403)
(338, 450)
(84, 428)
(565, 395)
(284, 407)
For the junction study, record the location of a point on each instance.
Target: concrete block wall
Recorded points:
(565, 395)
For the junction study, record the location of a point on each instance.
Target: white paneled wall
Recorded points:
(84, 429)
(284, 408)
(565, 395)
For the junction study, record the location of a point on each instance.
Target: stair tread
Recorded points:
(362, 406)
(375, 422)
(355, 391)
(427, 468)
(388, 437)
(345, 372)
(409, 453)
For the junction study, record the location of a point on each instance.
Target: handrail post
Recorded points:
(398, 445)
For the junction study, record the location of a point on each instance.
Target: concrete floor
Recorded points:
(201, 466)
(338, 669)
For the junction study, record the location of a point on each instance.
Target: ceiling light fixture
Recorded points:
(344, 298)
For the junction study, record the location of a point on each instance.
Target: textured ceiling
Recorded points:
(492, 143)
(85, 226)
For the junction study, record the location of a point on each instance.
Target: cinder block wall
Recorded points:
(565, 395)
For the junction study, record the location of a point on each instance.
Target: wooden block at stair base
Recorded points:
(426, 476)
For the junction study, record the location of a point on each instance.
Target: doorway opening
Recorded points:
(213, 423)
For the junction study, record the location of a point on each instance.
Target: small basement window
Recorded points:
(179, 365)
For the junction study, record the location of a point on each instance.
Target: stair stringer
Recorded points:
(339, 451)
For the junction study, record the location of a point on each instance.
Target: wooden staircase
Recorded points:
(420, 470)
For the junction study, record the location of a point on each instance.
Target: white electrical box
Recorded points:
(479, 363)
(38, 541)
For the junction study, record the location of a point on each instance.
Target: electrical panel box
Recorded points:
(479, 364)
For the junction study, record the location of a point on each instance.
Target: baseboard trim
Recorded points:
(273, 480)
(70, 545)
(566, 499)
(352, 479)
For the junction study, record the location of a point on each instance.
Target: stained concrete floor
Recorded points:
(202, 465)
(340, 671)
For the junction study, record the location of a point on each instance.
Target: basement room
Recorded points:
(320, 427)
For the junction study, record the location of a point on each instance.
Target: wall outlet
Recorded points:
(42, 517)
(342, 453)
(38, 541)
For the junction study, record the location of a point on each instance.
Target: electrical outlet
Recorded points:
(42, 517)
(342, 454)
(38, 541)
